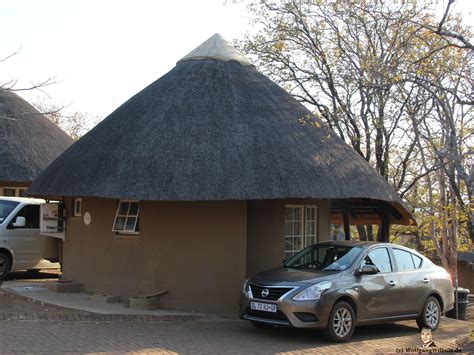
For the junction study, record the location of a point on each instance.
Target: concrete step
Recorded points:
(64, 286)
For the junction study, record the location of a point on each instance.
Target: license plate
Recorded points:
(266, 307)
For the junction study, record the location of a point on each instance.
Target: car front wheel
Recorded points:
(341, 322)
(430, 315)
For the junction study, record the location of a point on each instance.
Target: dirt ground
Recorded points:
(470, 309)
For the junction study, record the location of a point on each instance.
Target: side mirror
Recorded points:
(20, 222)
(368, 270)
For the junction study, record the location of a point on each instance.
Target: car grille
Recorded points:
(274, 293)
(267, 315)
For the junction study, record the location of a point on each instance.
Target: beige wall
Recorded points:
(196, 250)
(200, 252)
(265, 230)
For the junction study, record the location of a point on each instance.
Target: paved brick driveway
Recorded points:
(202, 336)
(27, 326)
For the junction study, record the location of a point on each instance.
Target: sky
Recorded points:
(102, 52)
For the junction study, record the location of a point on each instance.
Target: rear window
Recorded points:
(404, 260)
(417, 261)
(6, 207)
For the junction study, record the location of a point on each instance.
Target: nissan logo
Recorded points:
(265, 292)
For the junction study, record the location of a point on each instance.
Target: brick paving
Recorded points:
(204, 336)
(33, 327)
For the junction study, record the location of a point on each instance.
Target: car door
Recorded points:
(414, 282)
(379, 294)
(26, 241)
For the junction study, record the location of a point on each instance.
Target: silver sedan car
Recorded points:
(338, 285)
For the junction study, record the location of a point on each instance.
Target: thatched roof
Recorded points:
(213, 129)
(29, 142)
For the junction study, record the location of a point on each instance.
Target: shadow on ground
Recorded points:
(32, 275)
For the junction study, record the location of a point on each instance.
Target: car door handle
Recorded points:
(425, 280)
(392, 283)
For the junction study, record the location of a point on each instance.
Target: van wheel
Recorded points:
(430, 315)
(341, 323)
(4, 265)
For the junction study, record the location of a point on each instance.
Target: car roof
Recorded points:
(350, 243)
(23, 199)
(367, 244)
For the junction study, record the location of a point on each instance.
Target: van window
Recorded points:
(31, 214)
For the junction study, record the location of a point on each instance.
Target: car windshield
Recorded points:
(6, 207)
(324, 257)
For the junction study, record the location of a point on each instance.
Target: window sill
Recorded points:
(127, 235)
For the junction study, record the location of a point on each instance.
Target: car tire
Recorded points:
(5, 265)
(341, 323)
(260, 325)
(430, 315)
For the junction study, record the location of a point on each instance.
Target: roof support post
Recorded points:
(347, 230)
(384, 227)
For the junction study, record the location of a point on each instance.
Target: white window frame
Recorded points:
(303, 228)
(126, 216)
(315, 236)
(77, 211)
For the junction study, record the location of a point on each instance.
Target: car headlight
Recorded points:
(246, 286)
(314, 292)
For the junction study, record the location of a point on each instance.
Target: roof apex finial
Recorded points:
(216, 47)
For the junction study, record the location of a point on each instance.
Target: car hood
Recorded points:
(283, 274)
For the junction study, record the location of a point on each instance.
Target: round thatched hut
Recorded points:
(211, 173)
(29, 142)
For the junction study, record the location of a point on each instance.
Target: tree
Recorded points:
(384, 76)
(12, 85)
(75, 124)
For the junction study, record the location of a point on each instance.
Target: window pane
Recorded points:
(416, 260)
(9, 192)
(404, 260)
(130, 226)
(297, 214)
(288, 228)
(123, 208)
(288, 214)
(22, 192)
(133, 209)
(119, 223)
(380, 258)
(297, 244)
(296, 228)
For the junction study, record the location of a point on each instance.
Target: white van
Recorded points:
(22, 247)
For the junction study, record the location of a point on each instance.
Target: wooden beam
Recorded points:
(347, 229)
(384, 231)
